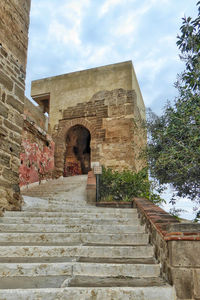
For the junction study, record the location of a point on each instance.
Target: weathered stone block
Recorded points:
(15, 104)
(196, 278)
(15, 163)
(4, 159)
(3, 52)
(10, 147)
(10, 175)
(19, 92)
(183, 227)
(15, 137)
(15, 118)
(3, 111)
(6, 81)
(12, 127)
(5, 184)
(3, 131)
(183, 281)
(184, 253)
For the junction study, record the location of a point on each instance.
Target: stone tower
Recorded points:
(95, 116)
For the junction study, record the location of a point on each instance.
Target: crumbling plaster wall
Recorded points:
(37, 154)
(14, 23)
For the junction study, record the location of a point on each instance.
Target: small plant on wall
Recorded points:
(123, 186)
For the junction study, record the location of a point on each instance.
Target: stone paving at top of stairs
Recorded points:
(61, 247)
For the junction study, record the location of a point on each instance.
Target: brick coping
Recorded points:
(163, 222)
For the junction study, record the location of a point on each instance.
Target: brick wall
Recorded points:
(14, 22)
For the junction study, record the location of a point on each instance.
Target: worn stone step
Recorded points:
(110, 260)
(76, 251)
(48, 259)
(73, 238)
(77, 281)
(79, 269)
(112, 281)
(71, 221)
(164, 292)
(71, 228)
(32, 204)
(70, 208)
(89, 215)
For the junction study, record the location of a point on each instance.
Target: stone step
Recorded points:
(81, 269)
(61, 199)
(73, 238)
(36, 204)
(58, 281)
(70, 221)
(91, 215)
(75, 252)
(71, 228)
(111, 281)
(164, 292)
(70, 208)
(66, 274)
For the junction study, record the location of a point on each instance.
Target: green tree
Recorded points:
(174, 138)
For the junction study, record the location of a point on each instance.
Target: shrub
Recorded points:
(123, 186)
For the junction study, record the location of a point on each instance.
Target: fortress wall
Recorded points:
(14, 23)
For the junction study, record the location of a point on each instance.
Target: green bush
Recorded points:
(123, 186)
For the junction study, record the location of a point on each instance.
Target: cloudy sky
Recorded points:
(72, 35)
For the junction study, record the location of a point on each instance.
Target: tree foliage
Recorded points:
(174, 145)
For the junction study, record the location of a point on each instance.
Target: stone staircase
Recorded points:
(60, 247)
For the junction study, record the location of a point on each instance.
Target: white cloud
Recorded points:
(73, 10)
(107, 5)
(58, 32)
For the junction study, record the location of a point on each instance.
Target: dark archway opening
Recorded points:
(77, 155)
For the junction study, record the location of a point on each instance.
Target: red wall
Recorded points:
(37, 157)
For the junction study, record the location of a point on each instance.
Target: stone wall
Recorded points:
(35, 115)
(37, 154)
(176, 247)
(14, 22)
(114, 122)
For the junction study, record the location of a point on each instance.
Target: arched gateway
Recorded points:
(77, 155)
(74, 147)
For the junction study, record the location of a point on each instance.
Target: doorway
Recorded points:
(77, 155)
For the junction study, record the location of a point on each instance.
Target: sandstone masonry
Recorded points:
(107, 102)
(14, 22)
